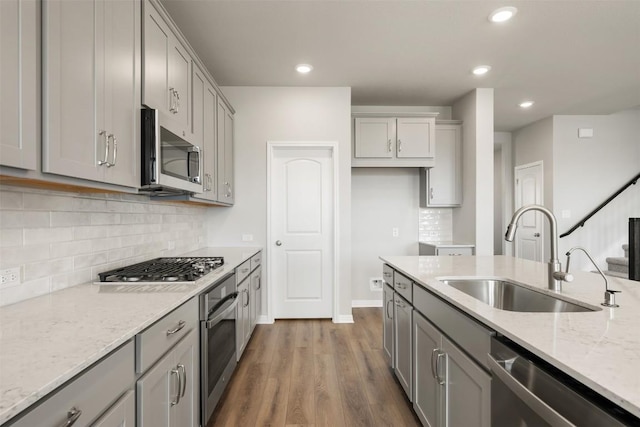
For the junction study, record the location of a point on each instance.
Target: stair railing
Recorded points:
(601, 205)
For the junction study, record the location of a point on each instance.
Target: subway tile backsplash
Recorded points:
(58, 240)
(435, 225)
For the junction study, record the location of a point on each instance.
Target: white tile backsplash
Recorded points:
(60, 239)
(435, 225)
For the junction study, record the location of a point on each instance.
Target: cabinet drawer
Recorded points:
(403, 286)
(164, 334)
(242, 271)
(92, 392)
(454, 251)
(466, 332)
(256, 260)
(387, 275)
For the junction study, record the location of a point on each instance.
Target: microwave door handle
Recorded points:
(190, 151)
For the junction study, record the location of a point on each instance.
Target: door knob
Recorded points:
(278, 243)
(536, 234)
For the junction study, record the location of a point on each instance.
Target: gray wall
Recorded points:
(284, 114)
(382, 198)
(473, 221)
(503, 189)
(588, 171)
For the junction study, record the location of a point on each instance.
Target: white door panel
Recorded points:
(528, 241)
(302, 228)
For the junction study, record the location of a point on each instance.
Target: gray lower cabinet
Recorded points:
(446, 380)
(387, 325)
(255, 296)
(402, 321)
(428, 392)
(121, 414)
(100, 396)
(168, 393)
(243, 321)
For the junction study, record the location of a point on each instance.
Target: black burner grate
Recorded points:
(181, 269)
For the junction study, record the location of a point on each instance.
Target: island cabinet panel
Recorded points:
(387, 330)
(428, 392)
(121, 414)
(88, 398)
(19, 83)
(403, 343)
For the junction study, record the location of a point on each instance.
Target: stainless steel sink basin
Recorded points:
(510, 296)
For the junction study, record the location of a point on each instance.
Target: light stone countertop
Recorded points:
(46, 341)
(447, 244)
(600, 349)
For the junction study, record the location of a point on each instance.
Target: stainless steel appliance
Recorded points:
(217, 343)
(164, 270)
(526, 391)
(170, 164)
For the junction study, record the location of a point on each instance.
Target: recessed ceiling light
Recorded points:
(503, 14)
(526, 104)
(303, 68)
(481, 69)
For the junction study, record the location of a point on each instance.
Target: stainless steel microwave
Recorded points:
(170, 163)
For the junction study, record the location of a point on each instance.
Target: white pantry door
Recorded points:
(528, 241)
(302, 221)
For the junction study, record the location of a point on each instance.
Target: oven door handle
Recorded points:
(212, 321)
(536, 404)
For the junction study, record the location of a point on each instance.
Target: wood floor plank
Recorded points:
(304, 334)
(328, 404)
(301, 404)
(273, 409)
(322, 336)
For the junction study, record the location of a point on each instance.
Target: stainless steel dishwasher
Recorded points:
(526, 391)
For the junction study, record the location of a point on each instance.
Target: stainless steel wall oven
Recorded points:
(218, 342)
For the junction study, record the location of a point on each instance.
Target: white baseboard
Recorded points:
(344, 318)
(263, 320)
(366, 303)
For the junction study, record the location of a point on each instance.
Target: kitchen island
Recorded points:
(48, 340)
(601, 349)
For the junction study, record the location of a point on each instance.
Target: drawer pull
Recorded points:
(72, 416)
(258, 261)
(401, 285)
(244, 270)
(386, 274)
(181, 324)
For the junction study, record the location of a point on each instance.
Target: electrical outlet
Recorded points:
(375, 284)
(10, 276)
(395, 232)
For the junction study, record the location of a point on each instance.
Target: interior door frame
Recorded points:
(540, 164)
(272, 146)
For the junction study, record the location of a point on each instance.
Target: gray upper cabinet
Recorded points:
(91, 86)
(383, 141)
(209, 138)
(441, 186)
(19, 83)
(167, 76)
(225, 153)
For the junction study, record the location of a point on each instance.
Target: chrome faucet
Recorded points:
(609, 294)
(555, 274)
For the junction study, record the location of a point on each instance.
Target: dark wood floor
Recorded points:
(315, 373)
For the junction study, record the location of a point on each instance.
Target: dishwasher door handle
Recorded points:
(536, 404)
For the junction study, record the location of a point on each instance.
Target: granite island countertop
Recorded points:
(601, 349)
(47, 340)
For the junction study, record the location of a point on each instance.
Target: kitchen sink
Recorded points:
(510, 296)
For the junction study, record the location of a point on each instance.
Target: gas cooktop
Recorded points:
(164, 270)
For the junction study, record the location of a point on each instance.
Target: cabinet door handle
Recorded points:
(433, 363)
(177, 102)
(389, 316)
(248, 297)
(389, 146)
(440, 380)
(181, 324)
(431, 193)
(259, 284)
(115, 149)
(106, 148)
(171, 100)
(176, 371)
(183, 371)
(72, 416)
(399, 146)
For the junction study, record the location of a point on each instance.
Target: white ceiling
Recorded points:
(570, 56)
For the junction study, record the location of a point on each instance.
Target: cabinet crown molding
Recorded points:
(394, 114)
